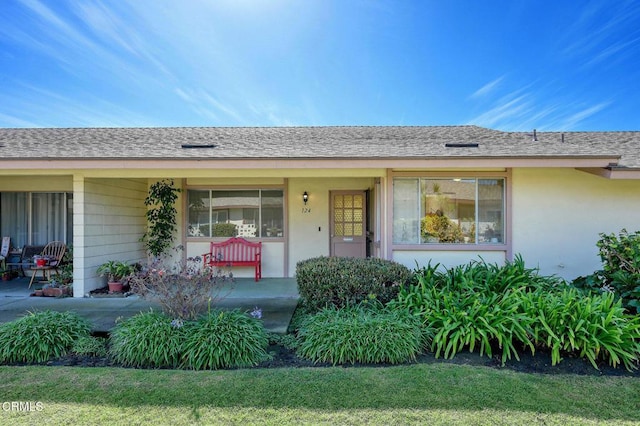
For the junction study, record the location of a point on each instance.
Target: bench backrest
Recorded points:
(236, 249)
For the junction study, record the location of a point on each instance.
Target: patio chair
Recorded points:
(4, 251)
(53, 254)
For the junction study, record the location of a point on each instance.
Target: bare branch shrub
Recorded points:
(182, 288)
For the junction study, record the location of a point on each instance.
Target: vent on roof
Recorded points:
(197, 146)
(461, 145)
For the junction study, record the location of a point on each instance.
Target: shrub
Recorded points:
(148, 339)
(222, 339)
(183, 289)
(620, 273)
(511, 307)
(360, 334)
(462, 318)
(340, 281)
(39, 336)
(224, 230)
(90, 345)
(593, 326)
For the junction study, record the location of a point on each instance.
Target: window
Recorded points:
(243, 213)
(448, 211)
(36, 218)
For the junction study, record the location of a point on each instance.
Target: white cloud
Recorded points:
(487, 88)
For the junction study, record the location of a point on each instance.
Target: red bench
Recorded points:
(235, 252)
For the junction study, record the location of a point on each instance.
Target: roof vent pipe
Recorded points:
(535, 136)
(563, 138)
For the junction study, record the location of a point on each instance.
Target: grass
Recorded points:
(408, 394)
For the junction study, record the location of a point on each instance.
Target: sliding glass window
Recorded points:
(448, 211)
(36, 218)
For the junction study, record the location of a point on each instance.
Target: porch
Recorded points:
(277, 297)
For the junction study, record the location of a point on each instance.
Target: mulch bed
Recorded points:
(538, 364)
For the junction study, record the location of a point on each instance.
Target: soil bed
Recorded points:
(283, 357)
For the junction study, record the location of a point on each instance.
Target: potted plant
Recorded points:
(115, 271)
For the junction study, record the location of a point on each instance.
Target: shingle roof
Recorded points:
(311, 143)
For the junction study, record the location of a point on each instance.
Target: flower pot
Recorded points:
(115, 287)
(52, 291)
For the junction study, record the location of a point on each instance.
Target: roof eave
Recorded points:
(613, 172)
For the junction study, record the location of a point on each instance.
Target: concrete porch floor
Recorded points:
(277, 297)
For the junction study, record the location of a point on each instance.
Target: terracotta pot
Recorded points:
(52, 292)
(115, 287)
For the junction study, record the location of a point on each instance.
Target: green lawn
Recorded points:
(414, 394)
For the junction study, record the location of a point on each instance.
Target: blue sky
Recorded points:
(507, 65)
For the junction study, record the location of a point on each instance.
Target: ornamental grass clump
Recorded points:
(360, 334)
(148, 339)
(483, 307)
(595, 327)
(217, 339)
(40, 336)
(224, 339)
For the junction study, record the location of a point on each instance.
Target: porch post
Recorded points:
(78, 235)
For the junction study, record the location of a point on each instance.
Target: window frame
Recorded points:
(504, 246)
(260, 189)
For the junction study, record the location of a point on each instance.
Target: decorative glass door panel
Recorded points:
(348, 226)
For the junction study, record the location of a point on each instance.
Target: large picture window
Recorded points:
(227, 213)
(448, 211)
(36, 218)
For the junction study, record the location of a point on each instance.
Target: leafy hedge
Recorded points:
(342, 281)
(40, 336)
(360, 334)
(620, 274)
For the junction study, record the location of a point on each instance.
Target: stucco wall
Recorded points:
(272, 259)
(309, 225)
(109, 219)
(558, 213)
(446, 259)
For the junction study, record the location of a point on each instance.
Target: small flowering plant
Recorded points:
(183, 288)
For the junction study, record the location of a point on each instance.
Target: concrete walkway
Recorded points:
(276, 297)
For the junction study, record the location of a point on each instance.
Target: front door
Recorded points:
(348, 224)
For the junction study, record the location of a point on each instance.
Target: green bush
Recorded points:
(360, 334)
(148, 339)
(341, 281)
(222, 339)
(620, 273)
(511, 307)
(595, 327)
(224, 230)
(462, 317)
(89, 345)
(40, 336)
